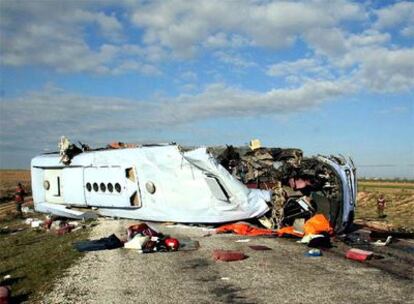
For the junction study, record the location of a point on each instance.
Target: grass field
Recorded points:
(33, 258)
(364, 185)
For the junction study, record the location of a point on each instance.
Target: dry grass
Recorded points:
(9, 180)
(399, 198)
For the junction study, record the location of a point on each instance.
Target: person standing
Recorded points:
(19, 198)
(381, 206)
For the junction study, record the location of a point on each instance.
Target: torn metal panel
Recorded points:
(301, 187)
(64, 211)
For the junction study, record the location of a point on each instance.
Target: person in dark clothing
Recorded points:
(19, 198)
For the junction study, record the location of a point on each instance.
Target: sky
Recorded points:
(328, 77)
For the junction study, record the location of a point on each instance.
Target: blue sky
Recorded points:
(323, 76)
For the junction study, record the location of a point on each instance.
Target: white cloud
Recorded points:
(302, 68)
(41, 117)
(188, 76)
(408, 31)
(385, 70)
(229, 31)
(53, 35)
(394, 15)
(222, 40)
(183, 25)
(136, 66)
(233, 59)
(378, 69)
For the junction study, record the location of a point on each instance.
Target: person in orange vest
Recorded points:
(19, 198)
(381, 206)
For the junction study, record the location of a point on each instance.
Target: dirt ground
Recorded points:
(280, 275)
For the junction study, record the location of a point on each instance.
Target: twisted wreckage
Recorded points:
(203, 185)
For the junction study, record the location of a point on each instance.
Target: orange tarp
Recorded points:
(317, 224)
(289, 231)
(244, 229)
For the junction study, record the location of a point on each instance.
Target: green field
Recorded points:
(33, 258)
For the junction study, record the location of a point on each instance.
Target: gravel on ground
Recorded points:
(281, 275)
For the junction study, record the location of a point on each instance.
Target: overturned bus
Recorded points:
(202, 185)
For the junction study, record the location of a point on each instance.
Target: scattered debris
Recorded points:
(137, 242)
(301, 187)
(358, 254)
(172, 244)
(120, 145)
(5, 230)
(64, 228)
(142, 229)
(355, 238)
(381, 243)
(320, 241)
(36, 223)
(314, 253)
(5, 294)
(26, 210)
(228, 255)
(243, 241)
(145, 239)
(188, 245)
(259, 247)
(111, 242)
(67, 150)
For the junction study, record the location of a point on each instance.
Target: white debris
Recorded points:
(36, 223)
(380, 243)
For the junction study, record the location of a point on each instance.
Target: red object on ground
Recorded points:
(172, 244)
(47, 223)
(64, 229)
(4, 295)
(228, 255)
(142, 228)
(358, 254)
(244, 229)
